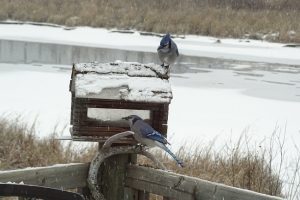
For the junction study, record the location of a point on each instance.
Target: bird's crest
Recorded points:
(165, 40)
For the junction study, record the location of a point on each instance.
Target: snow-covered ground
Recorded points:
(237, 49)
(223, 104)
(35, 92)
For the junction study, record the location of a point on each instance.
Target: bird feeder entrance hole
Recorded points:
(104, 93)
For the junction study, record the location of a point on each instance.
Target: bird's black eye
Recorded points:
(134, 120)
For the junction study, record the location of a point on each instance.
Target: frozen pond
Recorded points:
(208, 102)
(226, 103)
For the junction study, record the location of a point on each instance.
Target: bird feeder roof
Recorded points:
(121, 81)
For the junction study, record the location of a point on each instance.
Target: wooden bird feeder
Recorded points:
(104, 93)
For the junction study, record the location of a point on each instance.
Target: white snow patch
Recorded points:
(119, 67)
(287, 69)
(145, 89)
(241, 67)
(122, 81)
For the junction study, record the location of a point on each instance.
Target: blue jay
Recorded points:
(146, 135)
(167, 51)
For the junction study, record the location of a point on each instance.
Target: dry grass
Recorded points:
(275, 20)
(20, 147)
(262, 167)
(231, 166)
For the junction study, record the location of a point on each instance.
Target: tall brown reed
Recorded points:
(275, 20)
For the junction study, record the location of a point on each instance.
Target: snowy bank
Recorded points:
(236, 49)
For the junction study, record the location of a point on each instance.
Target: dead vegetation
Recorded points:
(232, 165)
(274, 20)
(20, 147)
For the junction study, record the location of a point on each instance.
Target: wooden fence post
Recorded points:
(113, 173)
(143, 195)
(111, 177)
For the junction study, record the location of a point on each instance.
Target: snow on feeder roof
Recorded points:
(122, 81)
(118, 67)
(104, 93)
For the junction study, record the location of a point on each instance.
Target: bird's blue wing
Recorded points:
(147, 131)
(157, 136)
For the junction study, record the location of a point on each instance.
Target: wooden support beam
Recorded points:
(112, 175)
(143, 195)
(178, 186)
(67, 176)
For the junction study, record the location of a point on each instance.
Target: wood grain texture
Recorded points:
(67, 176)
(178, 186)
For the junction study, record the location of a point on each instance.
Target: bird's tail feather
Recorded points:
(179, 162)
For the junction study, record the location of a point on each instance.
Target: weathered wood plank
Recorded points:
(93, 101)
(112, 175)
(184, 187)
(66, 176)
(141, 178)
(156, 188)
(100, 129)
(115, 105)
(143, 195)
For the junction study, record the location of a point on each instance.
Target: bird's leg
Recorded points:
(168, 70)
(166, 66)
(145, 148)
(140, 147)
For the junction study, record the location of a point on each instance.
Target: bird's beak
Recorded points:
(125, 118)
(160, 47)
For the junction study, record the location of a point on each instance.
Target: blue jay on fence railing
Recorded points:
(146, 135)
(167, 51)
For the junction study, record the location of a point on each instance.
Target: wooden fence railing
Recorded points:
(68, 176)
(176, 186)
(167, 184)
